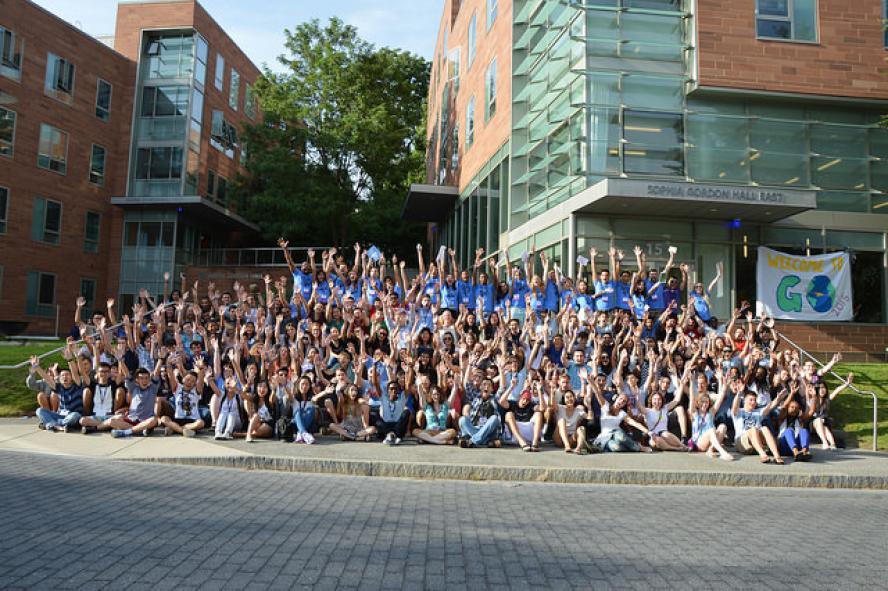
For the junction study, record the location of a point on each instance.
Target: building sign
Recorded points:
(793, 287)
(733, 194)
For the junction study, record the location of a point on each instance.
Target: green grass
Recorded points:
(15, 398)
(854, 413)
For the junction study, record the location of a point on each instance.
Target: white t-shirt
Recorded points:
(610, 423)
(573, 420)
(186, 402)
(103, 399)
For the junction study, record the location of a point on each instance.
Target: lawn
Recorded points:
(853, 413)
(15, 398)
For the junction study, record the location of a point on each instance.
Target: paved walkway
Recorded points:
(842, 469)
(86, 523)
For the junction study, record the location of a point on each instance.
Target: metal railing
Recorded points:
(851, 387)
(253, 257)
(60, 348)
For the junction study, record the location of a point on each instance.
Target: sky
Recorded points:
(257, 27)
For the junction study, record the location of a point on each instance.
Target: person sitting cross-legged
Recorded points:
(141, 393)
(67, 389)
(101, 400)
(523, 417)
(482, 426)
(186, 419)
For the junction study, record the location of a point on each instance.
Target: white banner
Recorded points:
(793, 287)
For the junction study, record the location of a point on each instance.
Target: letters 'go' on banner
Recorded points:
(793, 287)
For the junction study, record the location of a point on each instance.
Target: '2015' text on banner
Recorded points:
(793, 287)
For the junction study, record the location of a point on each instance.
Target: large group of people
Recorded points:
(624, 358)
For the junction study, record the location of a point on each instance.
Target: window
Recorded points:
(792, 20)
(234, 90)
(217, 188)
(59, 82)
(884, 19)
(10, 54)
(250, 102)
(88, 292)
(454, 157)
(197, 102)
(164, 101)
(211, 184)
(159, 163)
(40, 299)
(4, 205)
(470, 123)
(219, 79)
(490, 90)
(46, 226)
(97, 166)
(52, 152)
(491, 12)
(7, 132)
(169, 56)
(91, 232)
(653, 143)
(453, 67)
(223, 135)
(471, 53)
(103, 100)
(201, 51)
(150, 234)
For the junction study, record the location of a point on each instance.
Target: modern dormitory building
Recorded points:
(116, 155)
(712, 125)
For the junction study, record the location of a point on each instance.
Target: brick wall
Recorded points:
(848, 60)
(19, 253)
(856, 342)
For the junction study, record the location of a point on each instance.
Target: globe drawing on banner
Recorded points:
(821, 294)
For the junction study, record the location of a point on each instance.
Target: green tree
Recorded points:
(342, 138)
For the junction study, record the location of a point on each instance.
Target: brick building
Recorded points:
(570, 125)
(115, 159)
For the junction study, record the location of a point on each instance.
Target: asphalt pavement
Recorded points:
(90, 523)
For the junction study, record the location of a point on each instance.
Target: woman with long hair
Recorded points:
(353, 417)
(435, 410)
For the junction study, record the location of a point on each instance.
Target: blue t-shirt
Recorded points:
(465, 291)
(431, 289)
(552, 296)
(519, 290)
(373, 288)
(449, 296)
(670, 296)
(303, 282)
(655, 299)
(485, 294)
(701, 306)
(639, 301)
(606, 301)
(323, 292)
(624, 292)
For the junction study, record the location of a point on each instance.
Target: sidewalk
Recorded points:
(842, 469)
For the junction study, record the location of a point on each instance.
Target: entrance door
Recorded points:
(721, 298)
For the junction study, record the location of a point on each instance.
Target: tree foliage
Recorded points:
(343, 137)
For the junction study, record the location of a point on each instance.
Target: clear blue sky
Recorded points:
(257, 27)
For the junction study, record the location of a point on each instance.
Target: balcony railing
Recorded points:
(252, 257)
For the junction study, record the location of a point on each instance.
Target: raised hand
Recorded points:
(283, 243)
(81, 301)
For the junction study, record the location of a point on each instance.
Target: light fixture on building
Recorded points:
(829, 164)
(807, 247)
(792, 181)
(745, 246)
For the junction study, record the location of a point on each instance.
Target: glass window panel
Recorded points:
(653, 92)
(879, 175)
(53, 223)
(839, 173)
(718, 164)
(604, 88)
(880, 203)
(843, 201)
(774, 7)
(46, 292)
(7, 131)
(773, 29)
(804, 18)
(717, 149)
(774, 110)
(652, 28)
(653, 4)
(647, 128)
(176, 163)
(778, 136)
(878, 139)
(103, 100)
(160, 163)
(838, 140)
(720, 107)
(149, 234)
(653, 160)
(97, 166)
(783, 169)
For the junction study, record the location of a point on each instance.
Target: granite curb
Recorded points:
(437, 471)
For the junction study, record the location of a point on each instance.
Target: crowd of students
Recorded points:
(616, 360)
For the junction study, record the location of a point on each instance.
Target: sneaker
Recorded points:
(299, 438)
(308, 438)
(41, 426)
(66, 429)
(121, 433)
(228, 437)
(147, 432)
(397, 441)
(186, 432)
(389, 439)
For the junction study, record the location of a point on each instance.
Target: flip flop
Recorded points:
(765, 460)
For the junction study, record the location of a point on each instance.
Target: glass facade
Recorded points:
(605, 89)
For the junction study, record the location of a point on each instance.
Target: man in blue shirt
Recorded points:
(605, 298)
(69, 391)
